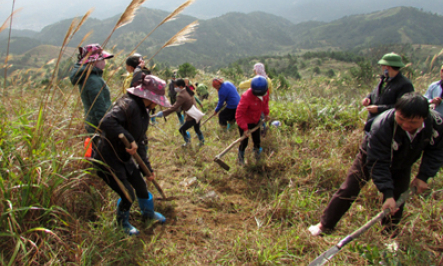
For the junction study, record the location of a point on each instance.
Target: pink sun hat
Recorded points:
(153, 89)
(92, 53)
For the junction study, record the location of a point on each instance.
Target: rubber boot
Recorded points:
(241, 158)
(257, 153)
(153, 121)
(123, 220)
(228, 126)
(147, 209)
(201, 139)
(181, 118)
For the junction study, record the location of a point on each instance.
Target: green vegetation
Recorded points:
(54, 210)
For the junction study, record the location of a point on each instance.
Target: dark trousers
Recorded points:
(255, 138)
(358, 176)
(226, 115)
(134, 181)
(187, 125)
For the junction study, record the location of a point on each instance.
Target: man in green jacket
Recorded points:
(87, 74)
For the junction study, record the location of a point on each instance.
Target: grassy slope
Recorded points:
(259, 217)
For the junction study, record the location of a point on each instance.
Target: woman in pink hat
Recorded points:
(130, 116)
(87, 74)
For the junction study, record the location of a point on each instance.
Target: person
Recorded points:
(88, 75)
(173, 98)
(391, 87)
(434, 93)
(135, 66)
(189, 84)
(186, 102)
(253, 103)
(227, 92)
(202, 91)
(192, 88)
(259, 70)
(397, 138)
(130, 116)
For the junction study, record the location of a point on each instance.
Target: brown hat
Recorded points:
(153, 89)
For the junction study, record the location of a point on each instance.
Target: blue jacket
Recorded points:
(433, 91)
(227, 93)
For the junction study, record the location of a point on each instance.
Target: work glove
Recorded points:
(159, 114)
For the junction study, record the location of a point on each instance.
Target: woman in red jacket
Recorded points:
(253, 103)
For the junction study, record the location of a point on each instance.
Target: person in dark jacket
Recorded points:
(391, 87)
(172, 94)
(87, 74)
(397, 139)
(130, 116)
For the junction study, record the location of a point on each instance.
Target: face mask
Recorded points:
(177, 89)
(386, 73)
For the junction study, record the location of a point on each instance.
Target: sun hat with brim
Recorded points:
(391, 59)
(92, 53)
(153, 89)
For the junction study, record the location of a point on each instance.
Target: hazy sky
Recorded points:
(39, 13)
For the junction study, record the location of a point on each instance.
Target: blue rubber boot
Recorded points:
(229, 126)
(153, 121)
(123, 220)
(147, 209)
(257, 153)
(241, 157)
(201, 139)
(181, 118)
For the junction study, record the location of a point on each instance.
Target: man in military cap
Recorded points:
(391, 87)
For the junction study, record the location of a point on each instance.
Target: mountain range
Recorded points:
(235, 35)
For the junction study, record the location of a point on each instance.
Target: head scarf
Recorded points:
(260, 70)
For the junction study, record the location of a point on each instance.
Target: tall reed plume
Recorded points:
(170, 17)
(180, 38)
(125, 18)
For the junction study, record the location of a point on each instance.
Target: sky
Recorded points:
(36, 14)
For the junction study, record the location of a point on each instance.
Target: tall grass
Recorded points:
(54, 210)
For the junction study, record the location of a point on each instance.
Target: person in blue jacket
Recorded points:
(227, 92)
(434, 94)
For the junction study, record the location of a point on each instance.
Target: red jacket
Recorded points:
(250, 108)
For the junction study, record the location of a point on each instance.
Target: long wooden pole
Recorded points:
(142, 165)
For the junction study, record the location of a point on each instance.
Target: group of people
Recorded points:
(402, 126)
(130, 116)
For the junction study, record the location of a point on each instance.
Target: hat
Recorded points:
(391, 59)
(153, 89)
(260, 69)
(217, 81)
(92, 53)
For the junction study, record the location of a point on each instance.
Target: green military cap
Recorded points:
(391, 59)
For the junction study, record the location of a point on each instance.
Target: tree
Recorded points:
(187, 70)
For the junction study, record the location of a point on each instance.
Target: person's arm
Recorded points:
(113, 123)
(429, 93)
(245, 84)
(221, 100)
(241, 114)
(96, 94)
(138, 76)
(432, 158)
(379, 155)
(175, 107)
(407, 87)
(266, 101)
